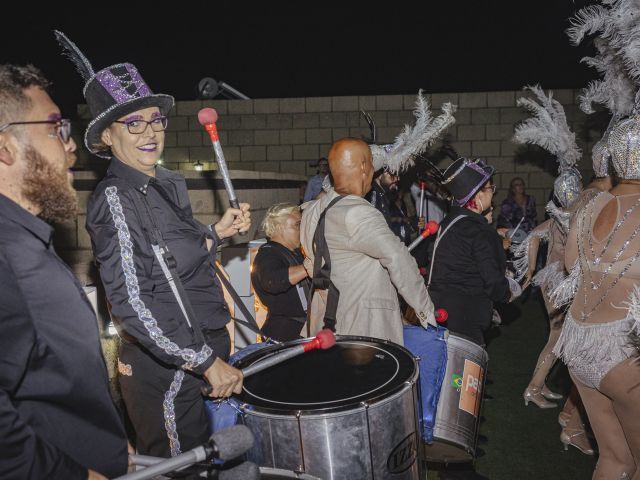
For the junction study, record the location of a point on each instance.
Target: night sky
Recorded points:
(307, 49)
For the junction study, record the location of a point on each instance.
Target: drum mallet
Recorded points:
(429, 229)
(324, 340)
(441, 315)
(208, 118)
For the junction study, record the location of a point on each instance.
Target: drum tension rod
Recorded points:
(302, 467)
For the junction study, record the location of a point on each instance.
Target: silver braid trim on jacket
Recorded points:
(565, 291)
(520, 253)
(549, 277)
(170, 414)
(190, 356)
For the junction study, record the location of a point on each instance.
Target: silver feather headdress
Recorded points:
(615, 89)
(412, 141)
(548, 129)
(617, 23)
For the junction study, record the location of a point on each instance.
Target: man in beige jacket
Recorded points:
(367, 259)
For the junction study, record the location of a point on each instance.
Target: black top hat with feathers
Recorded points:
(110, 93)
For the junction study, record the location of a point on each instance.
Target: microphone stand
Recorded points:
(196, 455)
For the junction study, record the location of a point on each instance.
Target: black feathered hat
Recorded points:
(111, 93)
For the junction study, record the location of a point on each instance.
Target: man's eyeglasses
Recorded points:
(136, 127)
(62, 126)
(490, 187)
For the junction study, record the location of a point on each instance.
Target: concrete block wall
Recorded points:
(287, 135)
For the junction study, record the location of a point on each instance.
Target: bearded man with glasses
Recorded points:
(57, 419)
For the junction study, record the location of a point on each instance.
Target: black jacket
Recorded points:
(57, 418)
(470, 260)
(270, 280)
(136, 287)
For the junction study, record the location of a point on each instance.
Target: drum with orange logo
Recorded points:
(458, 412)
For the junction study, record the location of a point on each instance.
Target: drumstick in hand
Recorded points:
(324, 340)
(208, 118)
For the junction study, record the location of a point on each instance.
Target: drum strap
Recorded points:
(322, 272)
(169, 265)
(435, 245)
(166, 260)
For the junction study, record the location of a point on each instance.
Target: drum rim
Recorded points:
(277, 471)
(470, 454)
(354, 406)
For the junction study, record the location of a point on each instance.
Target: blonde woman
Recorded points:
(278, 276)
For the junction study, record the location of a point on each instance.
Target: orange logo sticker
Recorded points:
(471, 385)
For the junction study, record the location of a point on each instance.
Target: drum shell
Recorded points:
(377, 440)
(456, 429)
(276, 473)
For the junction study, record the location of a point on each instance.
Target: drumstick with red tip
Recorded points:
(441, 315)
(208, 118)
(430, 228)
(324, 340)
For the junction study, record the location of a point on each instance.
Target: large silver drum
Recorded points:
(346, 412)
(458, 415)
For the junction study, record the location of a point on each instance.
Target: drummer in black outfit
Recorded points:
(278, 276)
(469, 265)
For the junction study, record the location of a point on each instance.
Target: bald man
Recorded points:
(367, 259)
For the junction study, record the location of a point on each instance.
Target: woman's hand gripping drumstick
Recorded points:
(324, 340)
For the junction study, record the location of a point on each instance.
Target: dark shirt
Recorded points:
(314, 187)
(469, 259)
(511, 213)
(377, 197)
(56, 414)
(270, 280)
(140, 296)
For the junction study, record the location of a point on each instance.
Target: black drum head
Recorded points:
(355, 370)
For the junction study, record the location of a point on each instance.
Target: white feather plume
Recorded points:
(587, 21)
(615, 90)
(548, 128)
(617, 22)
(412, 141)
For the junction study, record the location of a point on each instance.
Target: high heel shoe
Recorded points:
(563, 418)
(549, 395)
(576, 437)
(533, 394)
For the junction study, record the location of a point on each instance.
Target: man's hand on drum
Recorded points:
(234, 220)
(224, 379)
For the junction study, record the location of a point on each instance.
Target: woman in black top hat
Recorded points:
(144, 235)
(468, 265)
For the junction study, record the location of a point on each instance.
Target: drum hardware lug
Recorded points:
(365, 405)
(301, 466)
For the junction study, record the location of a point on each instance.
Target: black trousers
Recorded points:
(164, 403)
(469, 315)
(282, 329)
